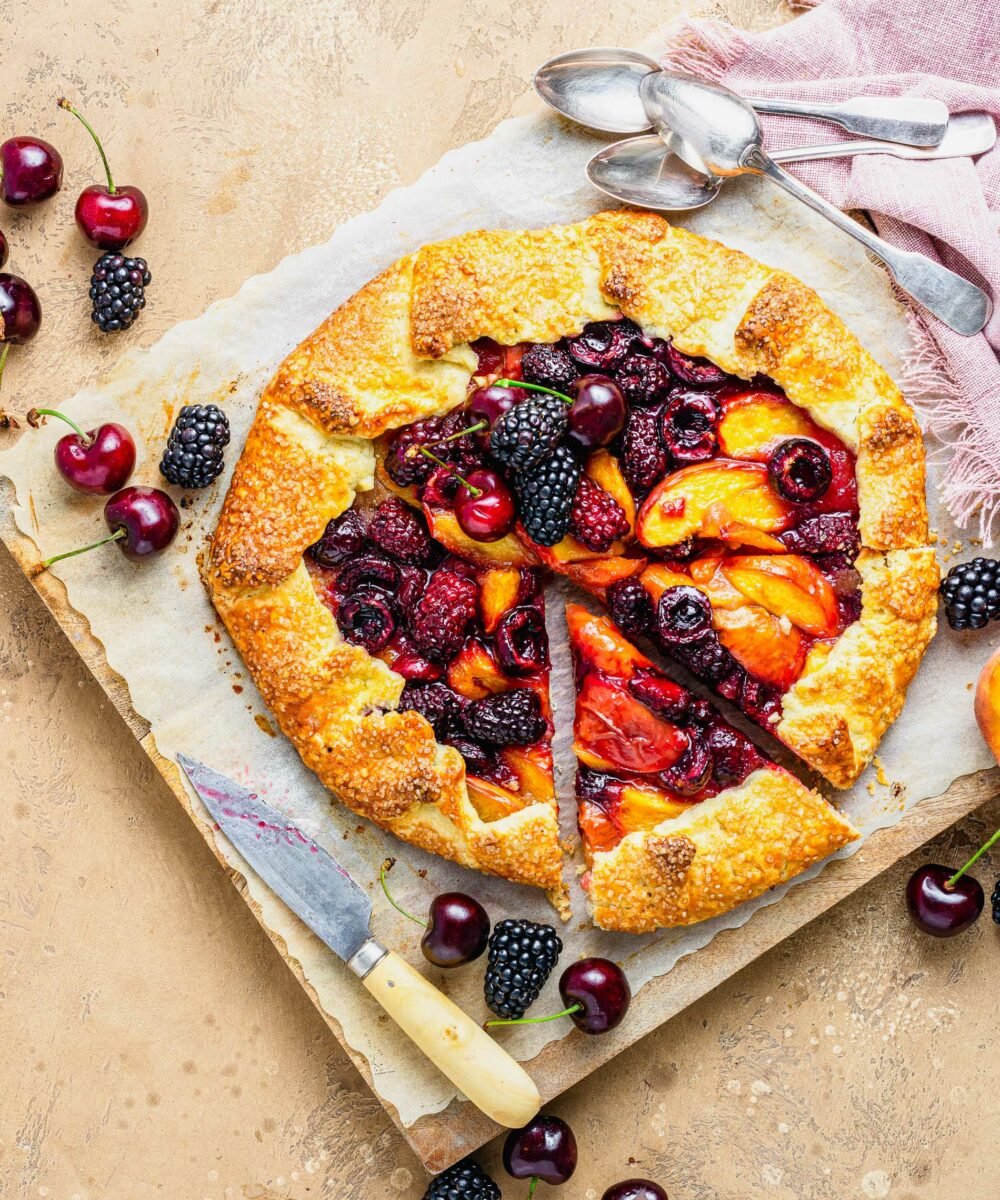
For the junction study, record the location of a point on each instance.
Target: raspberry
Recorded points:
(827, 533)
(343, 536)
(511, 718)
(521, 957)
(193, 455)
(707, 658)
(596, 518)
(529, 432)
(644, 459)
(643, 380)
(548, 366)
(436, 702)
(403, 461)
(396, 529)
(733, 755)
(631, 607)
(971, 593)
(546, 494)
(464, 1181)
(443, 614)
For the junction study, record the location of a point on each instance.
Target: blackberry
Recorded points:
(548, 366)
(521, 958)
(436, 702)
(443, 614)
(396, 529)
(971, 593)
(631, 607)
(512, 718)
(596, 518)
(644, 458)
(995, 903)
(529, 432)
(193, 457)
(546, 494)
(118, 291)
(466, 1180)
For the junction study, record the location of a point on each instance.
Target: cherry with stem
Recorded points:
(596, 409)
(596, 994)
(457, 930)
(943, 902)
(95, 461)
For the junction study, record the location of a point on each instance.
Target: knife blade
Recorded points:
(318, 890)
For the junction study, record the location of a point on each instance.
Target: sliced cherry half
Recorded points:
(98, 461)
(457, 928)
(109, 217)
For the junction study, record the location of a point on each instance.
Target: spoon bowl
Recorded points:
(598, 88)
(646, 172)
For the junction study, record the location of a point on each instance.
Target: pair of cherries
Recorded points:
(143, 521)
(546, 1149)
(595, 991)
(31, 171)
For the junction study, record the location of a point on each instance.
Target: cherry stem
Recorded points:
(566, 1012)
(484, 424)
(113, 537)
(534, 1184)
(387, 866)
(53, 412)
(3, 357)
(473, 490)
(949, 884)
(532, 387)
(64, 103)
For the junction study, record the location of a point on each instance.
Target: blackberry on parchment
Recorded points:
(971, 593)
(466, 1180)
(193, 457)
(522, 955)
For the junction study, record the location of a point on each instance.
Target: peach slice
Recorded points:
(593, 573)
(508, 551)
(603, 469)
(987, 703)
(597, 643)
(642, 808)
(474, 673)
(498, 594)
(657, 577)
(765, 645)
(787, 585)
(613, 730)
(706, 573)
(533, 767)
(754, 422)
(712, 499)
(598, 829)
(490, 801)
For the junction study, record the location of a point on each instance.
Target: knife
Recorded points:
(319, 891)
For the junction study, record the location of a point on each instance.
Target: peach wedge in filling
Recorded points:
(681, 816)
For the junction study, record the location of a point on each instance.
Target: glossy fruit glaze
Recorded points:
(647, 748)
(728, 521)
(468, 638)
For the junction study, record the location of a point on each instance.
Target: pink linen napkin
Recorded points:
(949, 209)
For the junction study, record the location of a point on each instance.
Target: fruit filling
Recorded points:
(710, 514)
(469, 640)
(647, 748)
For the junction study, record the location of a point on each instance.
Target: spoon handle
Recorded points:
(910, 119)
(958, 303)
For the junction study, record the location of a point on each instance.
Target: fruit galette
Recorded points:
(691, 437)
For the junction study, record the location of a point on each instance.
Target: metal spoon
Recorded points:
(599, 88)
(717, 132)
(647, 172)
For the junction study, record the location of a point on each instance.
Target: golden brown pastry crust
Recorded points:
(397, 351)
(721, 853)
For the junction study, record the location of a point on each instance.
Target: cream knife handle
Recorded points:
(455, 1044)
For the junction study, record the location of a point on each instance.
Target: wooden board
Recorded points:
(441, 1138)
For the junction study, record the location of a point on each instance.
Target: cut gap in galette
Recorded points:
(682, 817)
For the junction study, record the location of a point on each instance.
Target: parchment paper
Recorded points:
(161, 634)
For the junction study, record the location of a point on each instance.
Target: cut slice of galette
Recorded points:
(690, 435)
(682, 816)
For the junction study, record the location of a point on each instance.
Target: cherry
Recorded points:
(597, 414)
(109, 217)
(490, 403)
(4, 249)
(458, 928)
(20, 314)
(596, 994)
(30, 171)
(143, 521)
(484, 506)
(635, 1189)
(544, 1149)
(98, 461)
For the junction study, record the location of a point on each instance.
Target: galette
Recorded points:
(695, 441)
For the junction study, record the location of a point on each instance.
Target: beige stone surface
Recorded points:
(152, 1041)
